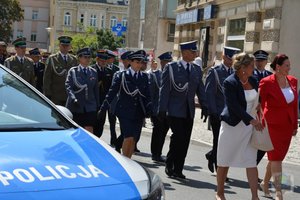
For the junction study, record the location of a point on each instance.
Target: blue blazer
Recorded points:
(235, 101)
(128, 106)
(174, 102)
(258, 76)
(213, 91)
(155, 84)
(84, 88)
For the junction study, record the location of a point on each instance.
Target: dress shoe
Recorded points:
(178, 175)
(158, 159)
(169, 171)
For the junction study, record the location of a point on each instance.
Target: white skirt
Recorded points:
(234, 149)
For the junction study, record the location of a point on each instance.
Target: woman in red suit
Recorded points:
(279, 98)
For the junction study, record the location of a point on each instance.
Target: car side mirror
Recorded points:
(65, 110)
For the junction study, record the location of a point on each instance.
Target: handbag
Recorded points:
(261, 139)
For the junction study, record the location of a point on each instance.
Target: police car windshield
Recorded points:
(22, 109)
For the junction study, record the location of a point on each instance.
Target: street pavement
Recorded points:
(201, 183)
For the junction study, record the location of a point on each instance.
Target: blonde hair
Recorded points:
(241, 60)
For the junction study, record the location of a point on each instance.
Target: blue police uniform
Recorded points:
(83, 93)
(39, 69)
(180, 82)
(133, 99)
(258, 75)
(214, 92)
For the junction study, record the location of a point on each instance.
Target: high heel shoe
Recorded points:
(265, 190)
(278, 195)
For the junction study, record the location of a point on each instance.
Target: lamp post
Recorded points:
(48, 41)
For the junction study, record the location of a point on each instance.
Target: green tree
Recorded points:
(86, 39)
(10, 11)
(106, 40)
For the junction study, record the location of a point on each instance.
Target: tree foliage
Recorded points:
(86, 39)
(106, 40)
(10, 11)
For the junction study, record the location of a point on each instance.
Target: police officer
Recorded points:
(160, 126)
(21, 64)
(181, 80)
(83, 93)
(57, 67)
(133, 104)
(214, 92)
(125, 60)
(39, 68)
(3, 52)
(104, 82)
(261, 60)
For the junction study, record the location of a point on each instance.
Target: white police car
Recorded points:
(44, 155)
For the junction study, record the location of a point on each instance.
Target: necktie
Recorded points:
(84, 71)
(135, 76)
(22, 61)
(188, 68)
(65, 59)
(229, 71)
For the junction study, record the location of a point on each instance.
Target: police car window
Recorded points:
(20, 107)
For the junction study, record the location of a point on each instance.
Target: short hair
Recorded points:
(241, 60)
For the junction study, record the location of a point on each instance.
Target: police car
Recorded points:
(45, 155)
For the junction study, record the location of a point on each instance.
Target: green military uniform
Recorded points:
(22, 67)
(55, 74)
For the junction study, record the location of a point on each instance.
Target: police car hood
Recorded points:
(65, 159)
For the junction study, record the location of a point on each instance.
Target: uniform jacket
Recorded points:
(25, 70)
(2, 59)
(39, 69)
(114, 68)
(105, 76)
(213, 91)
(55, 76)
(84, 88)
(235, 109)
(276, 109)
(129, 106)
(175, 102)
(258, 76)
(155, 84)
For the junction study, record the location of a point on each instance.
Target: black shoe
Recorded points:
(259, 180)
(158, 159)
(118, 149)
(169, 171)
(178, 175)
(136, 150)
(210, 162)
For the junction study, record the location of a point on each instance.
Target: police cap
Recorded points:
(34, 52)
(102, 54)
(230, 51)
(84, 52)
(65, 40)
(20, 42)
(139, 55)
(166, 56)
(191, 45)
(124, 56)
(261, 55)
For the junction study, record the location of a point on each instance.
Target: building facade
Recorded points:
(73, 16)
(151, 25)
(247, 24)
(33, 27)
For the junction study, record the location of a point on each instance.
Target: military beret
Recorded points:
(35, 52)
(20, 42)
(64, 39)
(140, 55)
(230, 51)
(166, 56)
(261, 55)
(191, 45)
(84, 52)
(102, 54)
(124, 56)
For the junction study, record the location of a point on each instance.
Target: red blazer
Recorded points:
(276, 109)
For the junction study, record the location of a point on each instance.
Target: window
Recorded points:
(171, 32)
(102, 21)
(33, 37)
(113, 21)
(19, 33)
(93, 20)
(35, 14)
(124, 22)
(82, 18)
(67, 19)
(236, 33)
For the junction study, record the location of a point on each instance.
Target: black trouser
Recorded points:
(215, 123)
(98, 128)
(260, 155)
(179, 143)
(159, 132)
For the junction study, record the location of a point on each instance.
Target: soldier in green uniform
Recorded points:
(19, 63)
(57, 67)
